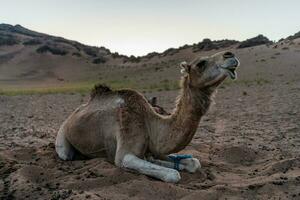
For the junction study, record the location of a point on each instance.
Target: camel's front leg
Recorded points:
(130, 161)
(189, 164)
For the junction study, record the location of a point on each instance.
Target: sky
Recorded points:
(138, 27)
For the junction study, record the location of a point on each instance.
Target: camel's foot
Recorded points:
(179, 162)
(191, 164)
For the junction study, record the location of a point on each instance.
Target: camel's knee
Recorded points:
(119, 159)
(172, 176)
(118, 162)
(63, 148)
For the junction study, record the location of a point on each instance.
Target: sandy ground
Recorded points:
(248, 144)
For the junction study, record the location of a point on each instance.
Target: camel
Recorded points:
(124, 127)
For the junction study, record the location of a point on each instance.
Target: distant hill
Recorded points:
(31, 58)
(18, 35)
(295, 36)
(258, 40)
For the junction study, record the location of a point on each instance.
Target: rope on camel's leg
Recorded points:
(177, 158)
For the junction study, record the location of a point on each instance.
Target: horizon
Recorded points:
(133, 29)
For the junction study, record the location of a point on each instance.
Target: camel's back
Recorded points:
(93, 127)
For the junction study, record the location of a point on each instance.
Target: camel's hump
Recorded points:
(100, 89)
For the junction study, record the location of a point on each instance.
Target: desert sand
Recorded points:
(248, 143)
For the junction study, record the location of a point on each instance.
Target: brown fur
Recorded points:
(157, 108)
(191, 105)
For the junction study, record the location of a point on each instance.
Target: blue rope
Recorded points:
(176, 159)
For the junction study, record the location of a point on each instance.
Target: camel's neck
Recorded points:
(192, 104)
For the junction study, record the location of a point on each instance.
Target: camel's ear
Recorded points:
(185, 67)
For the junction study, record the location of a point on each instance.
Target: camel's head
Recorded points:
(210, 71)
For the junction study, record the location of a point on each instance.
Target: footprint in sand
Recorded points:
(239, 155)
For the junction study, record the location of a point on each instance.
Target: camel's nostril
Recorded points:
(228, 55)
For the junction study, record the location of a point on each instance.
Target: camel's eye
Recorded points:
(201, 65)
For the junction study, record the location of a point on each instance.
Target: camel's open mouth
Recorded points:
(230, 66)
(232, 73)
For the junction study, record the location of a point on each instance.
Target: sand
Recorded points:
(248, 145)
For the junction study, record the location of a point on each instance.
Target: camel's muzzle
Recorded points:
(230, 64)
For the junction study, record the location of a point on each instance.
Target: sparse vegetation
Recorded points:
(258, 40)
(6, 39)
(165, 85)
(151, 55)
(85, 87)
(32, 42)
(132, 59)
(295, 36)
(170, 52)
(115, 55)
(76, 54)
(51, 49)
(90, 51)
(207, 44)
(99, 60)
(104, 50)
(63, 40)
(184, 47)
(82, 88)
(77, 45)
